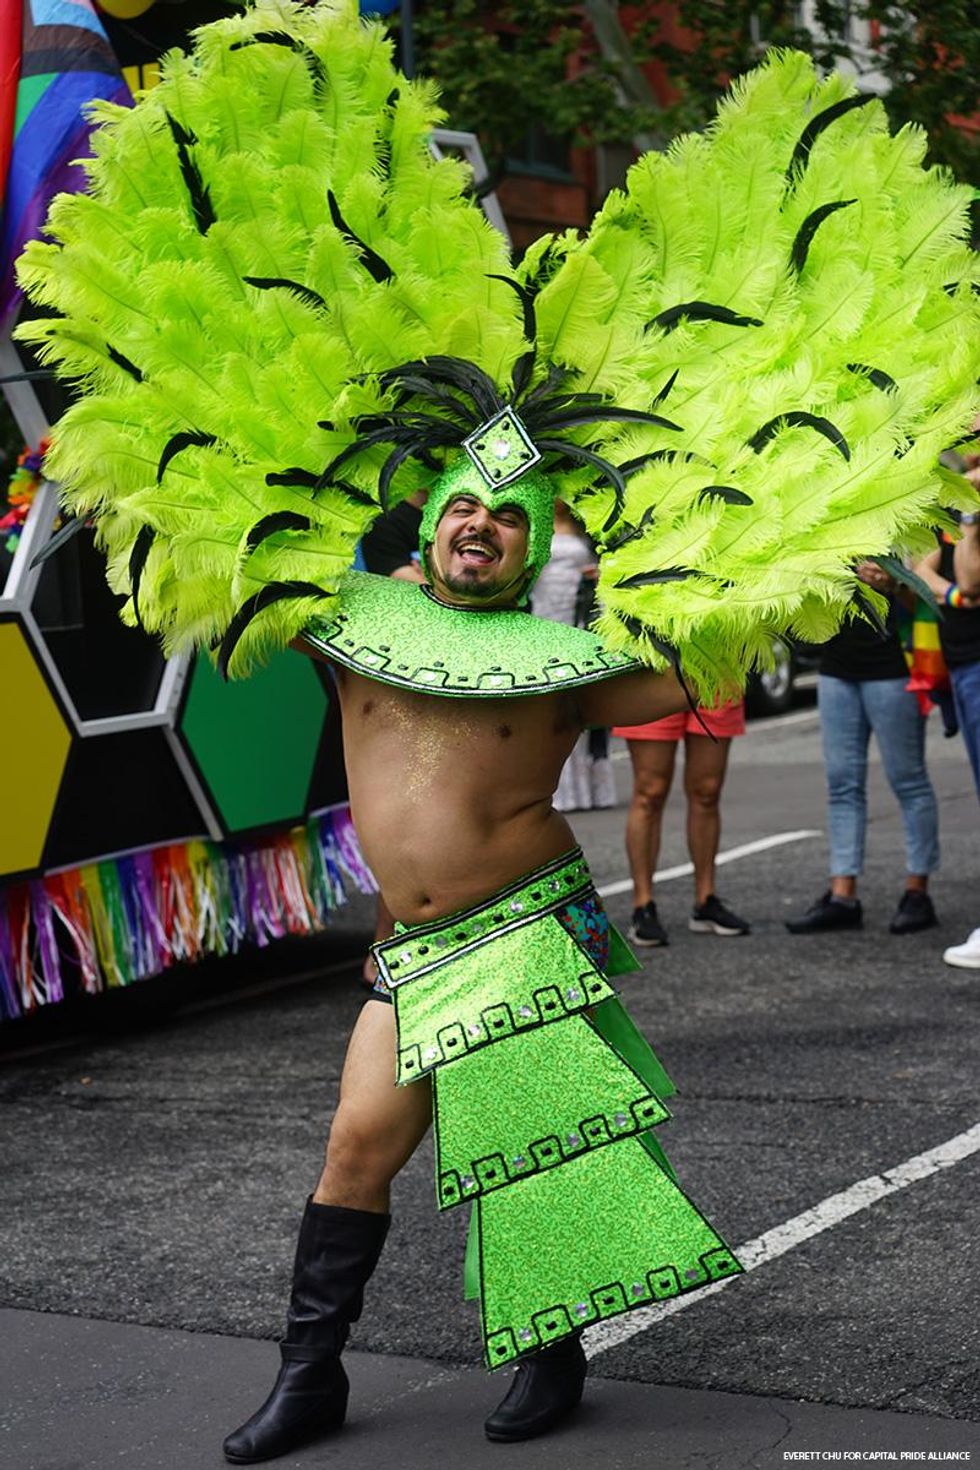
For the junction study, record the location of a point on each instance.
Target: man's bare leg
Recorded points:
(705, 762)
(377, 1126)
(653, 772)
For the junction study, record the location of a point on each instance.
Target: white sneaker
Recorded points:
(967, 955)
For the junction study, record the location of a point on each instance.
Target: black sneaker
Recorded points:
(828, 913)
(646, 929)
(712, 917)
(914, 912)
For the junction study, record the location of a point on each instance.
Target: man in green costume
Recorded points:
(452, 801)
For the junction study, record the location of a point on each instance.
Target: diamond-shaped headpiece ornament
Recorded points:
(502, 449)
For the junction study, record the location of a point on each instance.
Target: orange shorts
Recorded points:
(724, 722)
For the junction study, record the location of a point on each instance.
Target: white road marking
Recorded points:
(782, 1238)
(761, 844)
(779, 722)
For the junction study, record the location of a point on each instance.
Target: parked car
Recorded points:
(771, 691)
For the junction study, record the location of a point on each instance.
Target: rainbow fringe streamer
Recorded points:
(25, 482)
(130, 917)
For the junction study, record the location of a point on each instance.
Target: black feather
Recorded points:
(377, 268)
(124, 363)
(631, 533)
(410, 387)
(526, 299)
(701, 311)
(863, 601)
(608, 414)
(523, 372)
(901, 573)
(875, 376)
(577, 454)
(665, 389)
(281, 38)
(353, 492)
(271, 593)
(178, 442)
(666, 574)
(670, 456)
(266, 283)
(59, 539)
(137, 561)
(204, 215)
(464, 376)
(556, 376)
(392, 97)
(799, 420)
(389, 470)
(813, 129)
(809, 227)
(419, 441)
(727, 493)
(279, 520)
(305, 479)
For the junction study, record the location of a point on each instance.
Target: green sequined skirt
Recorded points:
(544, 1098)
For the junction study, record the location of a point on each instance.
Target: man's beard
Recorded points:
(471, 587)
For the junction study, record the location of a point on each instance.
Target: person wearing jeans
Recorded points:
(862, 688)
(953, 573)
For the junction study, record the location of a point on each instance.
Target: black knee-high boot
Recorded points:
(336, 1253)
(546, 1388)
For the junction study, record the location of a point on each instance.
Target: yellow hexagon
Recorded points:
(36, 742)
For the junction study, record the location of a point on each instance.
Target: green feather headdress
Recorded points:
(281, 314)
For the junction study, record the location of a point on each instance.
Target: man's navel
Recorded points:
(504, 732)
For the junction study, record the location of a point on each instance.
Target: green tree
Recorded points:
(525, 65)
(925, 55)
(574, 70)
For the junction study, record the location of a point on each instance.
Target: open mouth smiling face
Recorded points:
(480, 553)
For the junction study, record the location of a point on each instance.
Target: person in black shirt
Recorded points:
(862, 688)
(391, 547)
(953, 573)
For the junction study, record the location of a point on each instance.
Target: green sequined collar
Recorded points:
(392, 631)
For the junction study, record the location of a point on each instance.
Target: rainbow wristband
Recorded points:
(954, 597)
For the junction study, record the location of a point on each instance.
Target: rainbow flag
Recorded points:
(54, 57)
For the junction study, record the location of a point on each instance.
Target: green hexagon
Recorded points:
(255, 741)
(38, 741)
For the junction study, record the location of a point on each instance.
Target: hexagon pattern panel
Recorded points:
(37, 746)
(255, 742)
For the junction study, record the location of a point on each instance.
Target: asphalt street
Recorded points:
(154, 1178)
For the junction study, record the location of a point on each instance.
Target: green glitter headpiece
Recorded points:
(442, 402)
(531, 491)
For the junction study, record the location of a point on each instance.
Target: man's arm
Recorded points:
(631, 699)
(966, 568)
(928, 570)
(966, 560)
